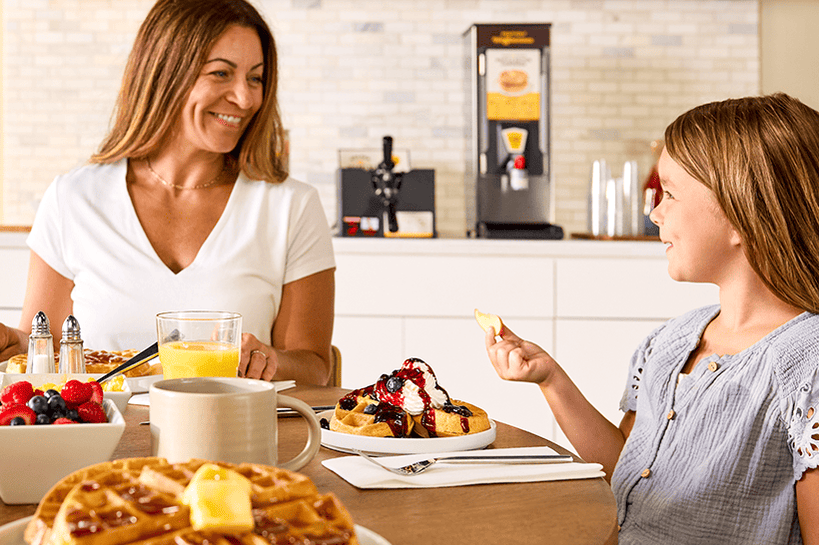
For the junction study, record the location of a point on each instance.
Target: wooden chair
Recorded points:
(335, 370)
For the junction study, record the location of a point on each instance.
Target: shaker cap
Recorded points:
(71, 329)
(40, 324)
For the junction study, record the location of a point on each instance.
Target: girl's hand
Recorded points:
(257, 360)
(518, 360)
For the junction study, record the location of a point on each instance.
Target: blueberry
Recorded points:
(394, 384)
(370, 409)
(38, 404)
(17, 421)
(56, 404)
(72, 414)
(43, 419)
(324, 423)
(50, 392)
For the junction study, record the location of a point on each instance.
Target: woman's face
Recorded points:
(700, 241)
(227, 93)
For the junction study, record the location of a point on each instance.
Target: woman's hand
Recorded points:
(518, 360)
(10, 343)
(257, 360)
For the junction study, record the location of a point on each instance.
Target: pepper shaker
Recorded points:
(72, 359)
(40, 357)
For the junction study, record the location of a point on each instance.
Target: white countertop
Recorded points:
(462, 246)
(484, 247)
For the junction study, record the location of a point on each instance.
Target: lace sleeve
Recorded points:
(635, 372)
(803, 428)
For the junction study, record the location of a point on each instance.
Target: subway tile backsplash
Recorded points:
(353, 71)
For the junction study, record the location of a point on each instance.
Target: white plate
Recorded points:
(345, 442)
(12, 534)
(140, 385)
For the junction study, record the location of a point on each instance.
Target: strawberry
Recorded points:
(92, 412)
(63, 421)
(37, 392)
(75, 393)
(10, 412)
(17, 393)
(96, 391)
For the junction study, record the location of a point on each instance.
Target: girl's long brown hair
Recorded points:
(169, 51)
(760, 157)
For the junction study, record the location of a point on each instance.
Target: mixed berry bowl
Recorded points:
(71, 435)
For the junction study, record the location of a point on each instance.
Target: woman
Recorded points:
(187, 204)
(719, 442)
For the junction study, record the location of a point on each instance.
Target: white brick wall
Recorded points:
(353, 71)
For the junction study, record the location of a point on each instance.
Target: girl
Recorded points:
(719, 442)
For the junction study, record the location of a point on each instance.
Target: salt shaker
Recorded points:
(72, 359)
(40, 357)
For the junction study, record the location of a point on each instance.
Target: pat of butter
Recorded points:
(219, 500)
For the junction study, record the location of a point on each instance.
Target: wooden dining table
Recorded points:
(580, 511)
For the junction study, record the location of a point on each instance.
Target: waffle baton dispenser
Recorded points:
(509, 193)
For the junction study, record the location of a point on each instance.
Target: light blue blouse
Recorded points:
(714, 459)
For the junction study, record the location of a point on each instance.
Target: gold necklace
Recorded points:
(200, 186)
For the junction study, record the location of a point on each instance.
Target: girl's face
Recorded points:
(700, 241)
(227, 94)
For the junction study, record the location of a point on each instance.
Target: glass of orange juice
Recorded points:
(199, 343)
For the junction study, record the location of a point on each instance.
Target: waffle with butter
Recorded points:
(140, 500)
(96, 361)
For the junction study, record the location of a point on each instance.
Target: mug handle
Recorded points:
(313, 440)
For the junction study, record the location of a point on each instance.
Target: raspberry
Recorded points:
(17, 393)
(10, 412)
(63, 421)
(96, 391)
(75, 393)
(92, 413)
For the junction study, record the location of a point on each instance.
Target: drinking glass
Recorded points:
(199, 343)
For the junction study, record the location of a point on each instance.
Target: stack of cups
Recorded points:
(614, 203)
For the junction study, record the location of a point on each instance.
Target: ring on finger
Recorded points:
(258, 352)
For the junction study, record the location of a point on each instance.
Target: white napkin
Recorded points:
(144, 399)
(364, 474)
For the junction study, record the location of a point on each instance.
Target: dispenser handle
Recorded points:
(388, 164)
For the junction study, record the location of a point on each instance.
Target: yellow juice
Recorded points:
(181, 359)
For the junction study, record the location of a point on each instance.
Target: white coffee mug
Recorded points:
(224, 419)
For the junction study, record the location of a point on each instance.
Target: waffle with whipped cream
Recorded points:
(407, 402)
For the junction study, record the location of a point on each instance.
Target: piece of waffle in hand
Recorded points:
(140, 499)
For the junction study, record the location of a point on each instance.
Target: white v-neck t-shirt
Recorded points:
(87, 230)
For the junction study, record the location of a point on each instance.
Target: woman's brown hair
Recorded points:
(760, 157)
(169, 51)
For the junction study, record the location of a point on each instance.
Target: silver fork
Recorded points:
(422, 465)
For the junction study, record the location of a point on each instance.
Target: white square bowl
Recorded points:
(34, 458)
(37, 379)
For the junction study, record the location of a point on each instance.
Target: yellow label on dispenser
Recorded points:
(513, 84)
(514, 139)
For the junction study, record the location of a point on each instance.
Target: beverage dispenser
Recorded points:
(509, 193)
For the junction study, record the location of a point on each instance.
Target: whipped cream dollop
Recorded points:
(413, 387)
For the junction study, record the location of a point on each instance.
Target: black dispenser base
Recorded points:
(535, 231)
